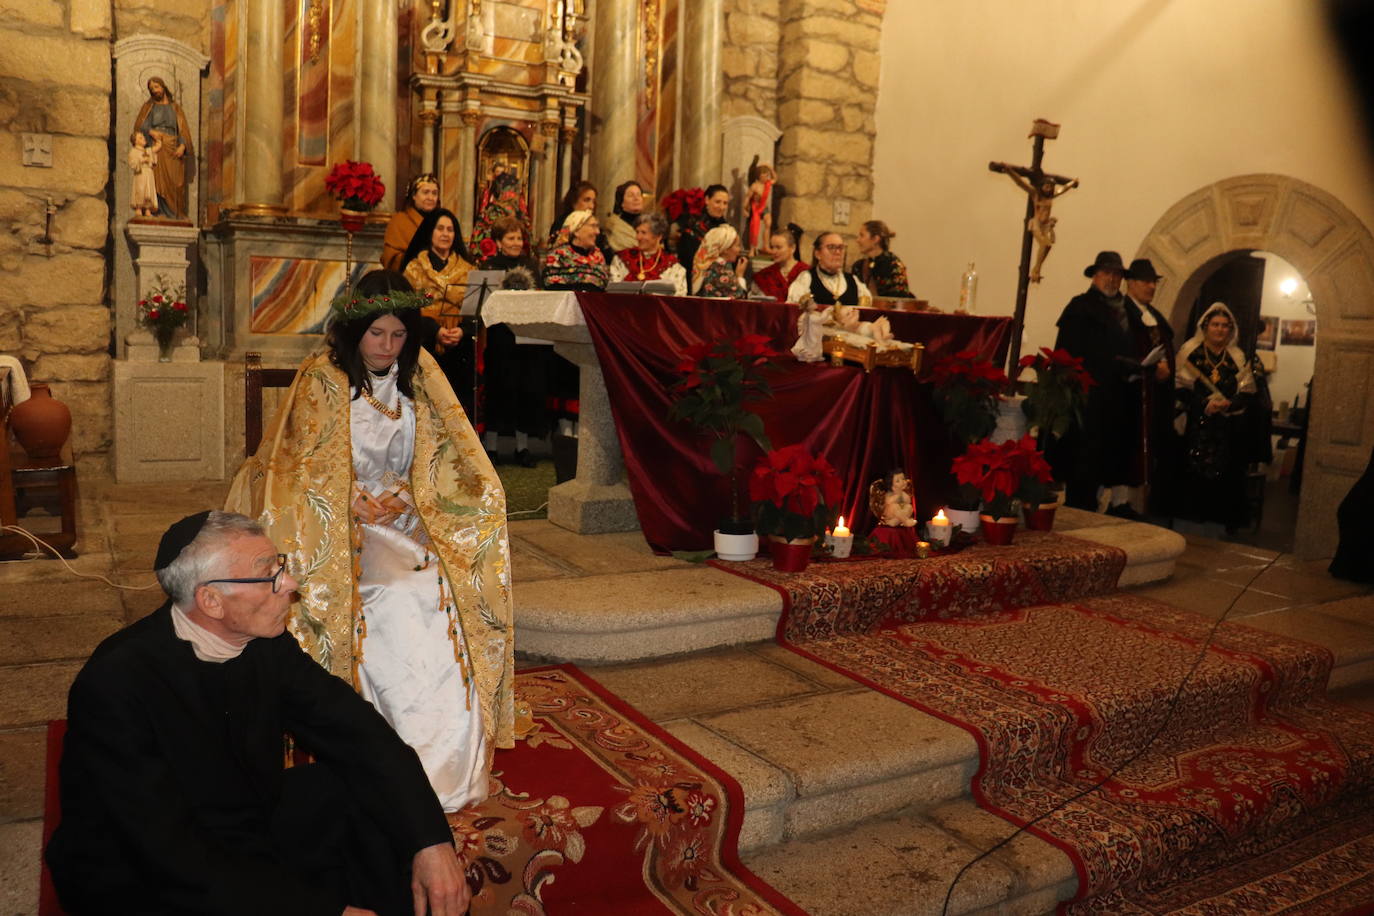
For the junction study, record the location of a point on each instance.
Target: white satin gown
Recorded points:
(414, 665)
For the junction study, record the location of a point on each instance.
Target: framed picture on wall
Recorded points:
(1298, 332)
(1268, 335)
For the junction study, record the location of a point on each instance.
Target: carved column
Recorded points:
(703, 33)
(468, 166)
(615, 96)
(263, 107)
(376, 89)
(548, 177)
(569, 134)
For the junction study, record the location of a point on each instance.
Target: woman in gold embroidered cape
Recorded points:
(300, 485)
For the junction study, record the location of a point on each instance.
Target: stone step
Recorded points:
(632, 605)
(904, 866)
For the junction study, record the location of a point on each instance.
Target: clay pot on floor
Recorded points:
(790, 556)
(42, 423)
(998, 531)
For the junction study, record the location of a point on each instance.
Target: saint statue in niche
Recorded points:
(161, 118)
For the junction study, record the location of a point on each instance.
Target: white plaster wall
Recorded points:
(1157, 98)
(1294, 364)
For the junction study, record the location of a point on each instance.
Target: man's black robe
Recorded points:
(174, 795)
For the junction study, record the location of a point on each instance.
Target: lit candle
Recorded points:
(922, 549)
(841, 540)
(939, 529)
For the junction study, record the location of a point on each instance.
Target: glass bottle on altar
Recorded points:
(968, 290)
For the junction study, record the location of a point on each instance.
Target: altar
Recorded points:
(636, 467)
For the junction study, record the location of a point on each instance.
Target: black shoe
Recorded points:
(525, 459)
(1125, 510)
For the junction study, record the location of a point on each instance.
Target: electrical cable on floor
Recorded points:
(541, 508)
(1168, 716)
(39, 544)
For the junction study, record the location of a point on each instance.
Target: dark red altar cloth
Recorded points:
(863, 424)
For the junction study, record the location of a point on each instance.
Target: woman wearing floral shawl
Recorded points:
(394, 522)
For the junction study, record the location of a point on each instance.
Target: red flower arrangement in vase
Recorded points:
(1003, 473)
(796, 496)
(357, 188)
(163, 311)
(1055, 402)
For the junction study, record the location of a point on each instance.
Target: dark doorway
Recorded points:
(1238, 282)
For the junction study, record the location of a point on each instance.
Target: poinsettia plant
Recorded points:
(683, 202)
(1054, 403)
(965, 391)
(719, 379)
(355, 185)
(795, 494)
(1004, 472)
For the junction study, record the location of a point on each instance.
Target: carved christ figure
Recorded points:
(162, 119)
(1043, 191)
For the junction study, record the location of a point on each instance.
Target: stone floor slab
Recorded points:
(58, 598)
(1349, 642)
(837, 741)
(39, 639)
(1298, 585)
(702, 684)
(22, 842)
(900, 867)
(592, 554)
(31, 695)
(1036, 863)
(22, 773)
(812, 671)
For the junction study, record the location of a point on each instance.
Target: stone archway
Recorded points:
(1334, 252)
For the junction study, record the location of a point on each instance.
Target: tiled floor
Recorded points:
(50, 621)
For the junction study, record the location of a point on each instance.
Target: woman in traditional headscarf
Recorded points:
(619, 225)
(878, 268)
(422, 197)
(394, 524)
(577, 263)
(784, 246)
(648, 260)
(1212, 385)
(718, 272)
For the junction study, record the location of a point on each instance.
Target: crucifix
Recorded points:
(1041, 189)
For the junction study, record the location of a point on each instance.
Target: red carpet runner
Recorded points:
(595, 811)
(1256, 797)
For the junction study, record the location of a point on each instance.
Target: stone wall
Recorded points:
(55, 81)
(810, 67)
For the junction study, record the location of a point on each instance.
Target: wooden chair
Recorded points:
(256, 378)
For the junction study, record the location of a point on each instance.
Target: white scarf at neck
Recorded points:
(207, 646)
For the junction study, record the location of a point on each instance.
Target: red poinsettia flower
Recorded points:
(179, 306)
(355, 184)
(157, 300)
(154, 314)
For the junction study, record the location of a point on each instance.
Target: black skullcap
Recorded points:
(178, 538)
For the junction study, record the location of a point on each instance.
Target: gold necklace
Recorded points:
(1216, 365)
(385, 411)
(658, 255)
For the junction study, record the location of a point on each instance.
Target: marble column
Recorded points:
(375, 91)
(615, 73)
(703, 33)
(545, 185)
(264, 107)
(569, 134)
(468, 166)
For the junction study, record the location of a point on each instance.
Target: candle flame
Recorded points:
(840, 524)
(941, 515)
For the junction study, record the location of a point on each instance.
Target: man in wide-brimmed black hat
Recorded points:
(1100, 460)
(1154, 341)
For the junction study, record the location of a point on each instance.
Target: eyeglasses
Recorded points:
(832, 248)
(275, 578)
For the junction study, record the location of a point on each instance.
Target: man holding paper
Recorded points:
(1154, 346)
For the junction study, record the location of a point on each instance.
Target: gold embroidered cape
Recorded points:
(299, 485)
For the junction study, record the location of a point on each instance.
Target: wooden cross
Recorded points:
(1041, 189)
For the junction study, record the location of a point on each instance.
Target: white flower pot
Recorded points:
(964, 518)
(736, 547)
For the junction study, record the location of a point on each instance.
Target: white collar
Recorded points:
(209, 647)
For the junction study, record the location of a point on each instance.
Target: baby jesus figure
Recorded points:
(142, 158)
(889, 499)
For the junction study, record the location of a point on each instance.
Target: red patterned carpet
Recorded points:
(1256, 797)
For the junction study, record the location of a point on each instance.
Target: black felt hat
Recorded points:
(1106, 260)
(178, 537)
(1142, 269)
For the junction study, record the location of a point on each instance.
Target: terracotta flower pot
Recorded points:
(1040, 519)
(42, 423)
(790, 556)
(998, 531)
